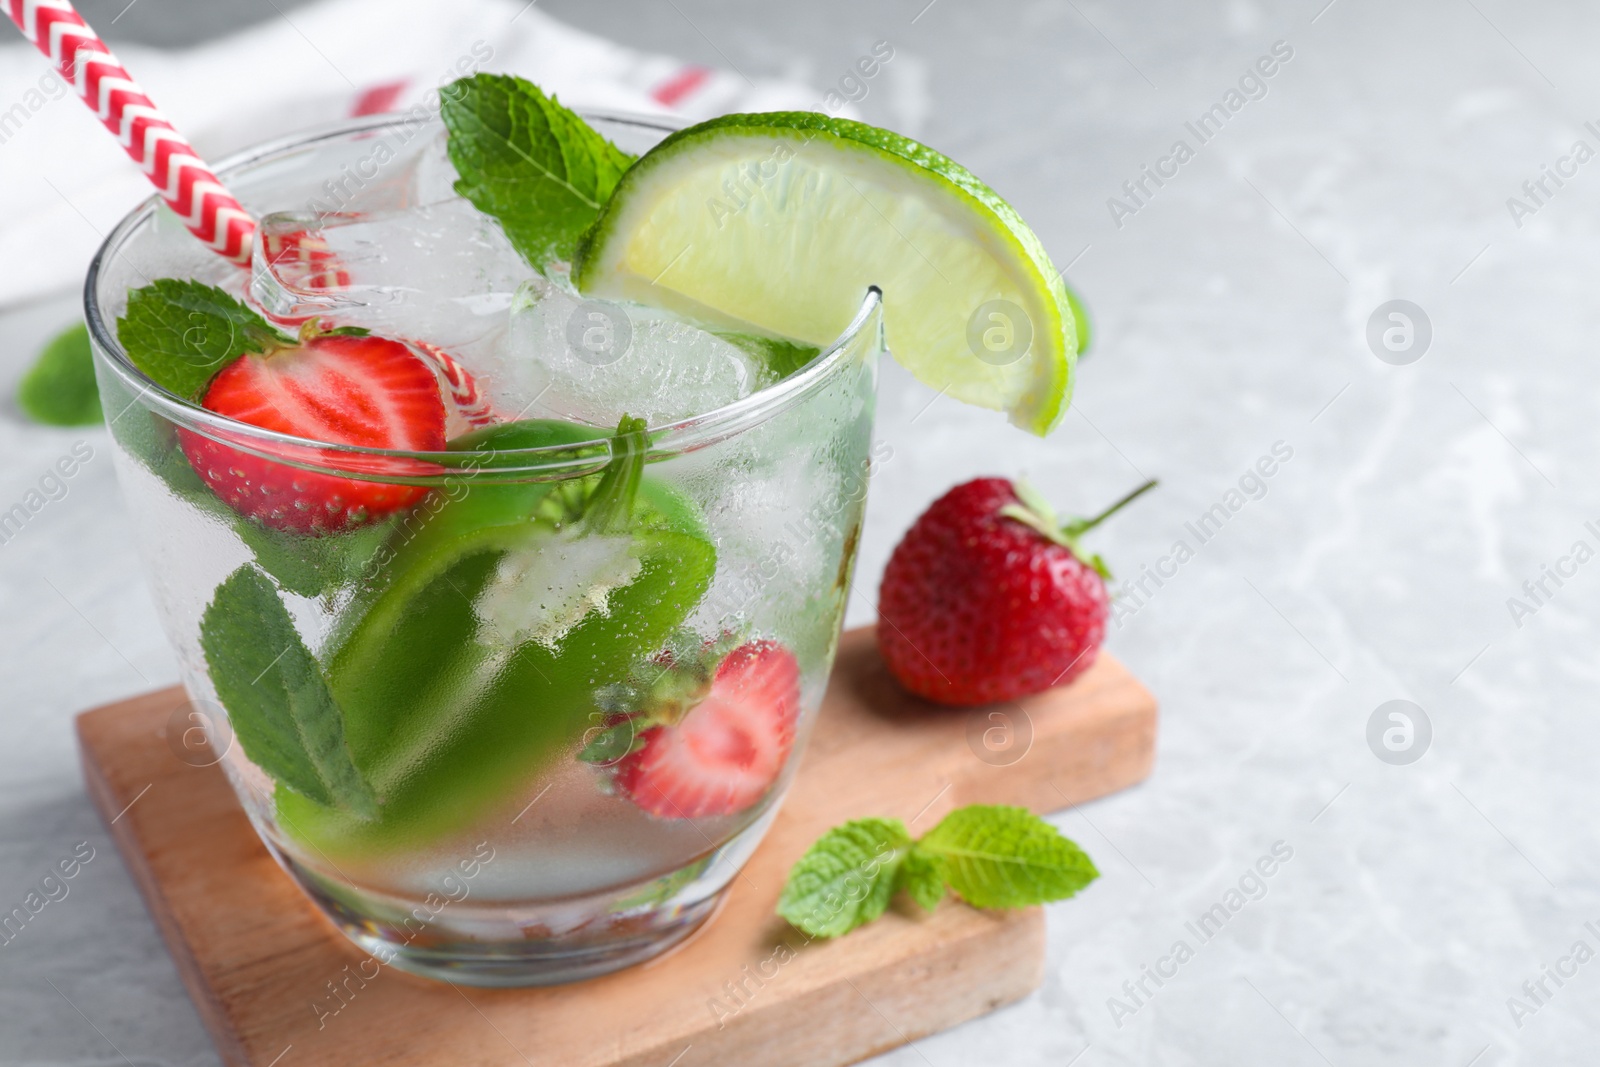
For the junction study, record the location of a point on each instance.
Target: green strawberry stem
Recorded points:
(1035, 512)
(1077, 527)
(610, 509)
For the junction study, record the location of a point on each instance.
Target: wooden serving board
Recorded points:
(255, 955)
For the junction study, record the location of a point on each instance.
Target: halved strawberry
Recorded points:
(724, 753)
(339, 389)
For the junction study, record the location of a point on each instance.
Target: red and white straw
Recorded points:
(183, 179)
(306, 259)
(470, 405)
(187, 184)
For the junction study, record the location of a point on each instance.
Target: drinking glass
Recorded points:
(492, 843)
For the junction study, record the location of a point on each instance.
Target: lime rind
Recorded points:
(643, 248)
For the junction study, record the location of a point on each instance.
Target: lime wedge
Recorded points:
(777, 223)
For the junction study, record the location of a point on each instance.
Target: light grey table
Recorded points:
(1232, 306)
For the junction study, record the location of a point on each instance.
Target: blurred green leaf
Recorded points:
(59, 389)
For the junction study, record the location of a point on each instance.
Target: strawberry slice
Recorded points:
(723, 754)
(340, 389)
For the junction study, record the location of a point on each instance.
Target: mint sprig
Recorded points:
(530, 163)
(180, 333)
(992, 856)
(278, 702)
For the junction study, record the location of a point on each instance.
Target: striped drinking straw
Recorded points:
(187, 185)
(184, 180)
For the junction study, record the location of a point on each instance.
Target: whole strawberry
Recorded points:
(989, 598)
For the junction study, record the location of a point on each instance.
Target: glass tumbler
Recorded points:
(493, 737)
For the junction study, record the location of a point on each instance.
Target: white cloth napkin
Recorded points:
(64, 180)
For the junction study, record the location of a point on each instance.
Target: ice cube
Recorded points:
(430, 176)
(594, 361)
(441, 272)
(543, 591)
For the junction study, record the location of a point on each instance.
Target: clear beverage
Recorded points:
(563, 591)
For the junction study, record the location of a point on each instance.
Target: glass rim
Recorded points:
(666, 439)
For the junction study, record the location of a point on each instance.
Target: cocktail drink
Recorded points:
(515, 701)
(503, 513)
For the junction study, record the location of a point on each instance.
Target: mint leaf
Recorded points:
(153, 442)
(307, 564)
(846, 878)
(533, 165)
(59, 389)
(277, 699)
(180, 333)
(1004, 857)
(922, 879)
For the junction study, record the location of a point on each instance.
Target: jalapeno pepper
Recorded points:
(457, 683)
